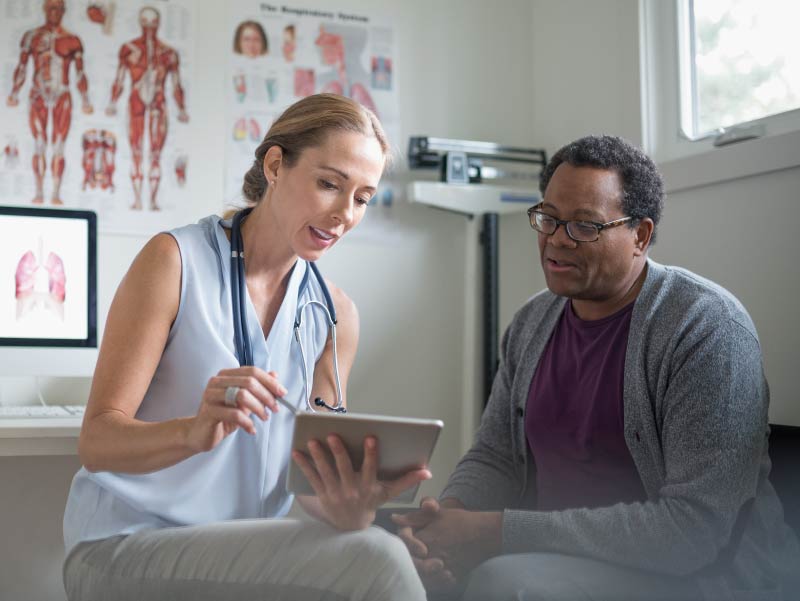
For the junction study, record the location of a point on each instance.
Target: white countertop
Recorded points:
(39, 436)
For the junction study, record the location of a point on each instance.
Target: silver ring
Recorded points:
(230, 396)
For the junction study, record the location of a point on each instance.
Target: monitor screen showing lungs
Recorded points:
(47, 282)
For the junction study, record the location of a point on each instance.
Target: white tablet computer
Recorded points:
(404, 443)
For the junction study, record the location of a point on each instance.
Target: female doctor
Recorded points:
(184, 445)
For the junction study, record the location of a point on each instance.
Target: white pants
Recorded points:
(269, 560)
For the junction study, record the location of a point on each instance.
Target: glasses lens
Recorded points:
(543, 223)
(583, 231)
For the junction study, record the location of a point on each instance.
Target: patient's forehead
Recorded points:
(584, 192)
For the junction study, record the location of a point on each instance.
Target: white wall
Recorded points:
(742, 234)
(404, 267)
(585, 80)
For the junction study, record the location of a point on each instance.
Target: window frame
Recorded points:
(690, 162)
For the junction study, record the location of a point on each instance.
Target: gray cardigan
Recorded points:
(695, 404)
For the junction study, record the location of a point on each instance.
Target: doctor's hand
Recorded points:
(219, 415)
(347, 499)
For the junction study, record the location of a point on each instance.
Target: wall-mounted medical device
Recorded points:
(468, 161)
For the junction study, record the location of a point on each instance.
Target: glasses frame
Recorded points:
(565, 222)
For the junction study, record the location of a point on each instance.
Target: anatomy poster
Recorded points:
(94, 108)
(280, 53)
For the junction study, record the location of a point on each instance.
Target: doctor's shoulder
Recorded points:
(152, 284)
(346, 311)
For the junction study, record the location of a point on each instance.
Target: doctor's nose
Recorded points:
(344, 211)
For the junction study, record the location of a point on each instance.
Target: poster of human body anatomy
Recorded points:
(94, 108)
(281, 53)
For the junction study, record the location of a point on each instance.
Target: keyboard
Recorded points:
(40, 411)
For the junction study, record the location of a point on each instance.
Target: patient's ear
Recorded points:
(644, 233)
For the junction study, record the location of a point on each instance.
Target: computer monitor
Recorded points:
(48, 292)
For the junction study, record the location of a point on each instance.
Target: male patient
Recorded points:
(623, 452)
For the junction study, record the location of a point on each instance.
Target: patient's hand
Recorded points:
(433, 572)
(458, 538)
(347, 499)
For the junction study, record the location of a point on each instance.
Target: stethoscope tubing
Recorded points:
(238, 292)
(244, 350)
(339, 407)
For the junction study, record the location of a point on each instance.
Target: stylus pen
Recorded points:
(286, 404)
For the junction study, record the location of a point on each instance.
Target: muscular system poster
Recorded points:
(279, 53)
(95, 97)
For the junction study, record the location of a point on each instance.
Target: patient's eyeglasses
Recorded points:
(579, 231)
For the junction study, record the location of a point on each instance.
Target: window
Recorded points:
(708, 65)
(740, 62)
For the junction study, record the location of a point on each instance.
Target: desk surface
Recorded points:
(39, 436)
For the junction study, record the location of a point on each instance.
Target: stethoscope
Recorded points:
(244, 350)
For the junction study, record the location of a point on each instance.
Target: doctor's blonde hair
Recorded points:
(306, 124)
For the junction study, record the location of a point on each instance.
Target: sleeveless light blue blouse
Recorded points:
(245, 475)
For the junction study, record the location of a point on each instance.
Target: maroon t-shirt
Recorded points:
(574, 422)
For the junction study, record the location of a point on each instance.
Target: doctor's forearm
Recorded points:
(114, 442)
